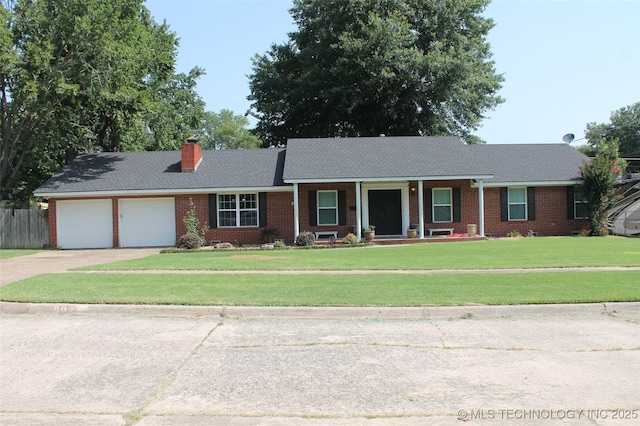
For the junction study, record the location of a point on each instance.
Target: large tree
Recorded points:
(369, 67)
(623, 127)
(77, 76)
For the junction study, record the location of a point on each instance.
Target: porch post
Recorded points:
(296, 212)
(358, 211)
(481, 207)
(420, 209)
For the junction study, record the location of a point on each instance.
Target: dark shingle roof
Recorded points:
(379, 158)
(334, 159)
(529, 162)
(160, 170)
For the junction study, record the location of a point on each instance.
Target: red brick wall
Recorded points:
(303, 204)
(279, 216)
(551, 214)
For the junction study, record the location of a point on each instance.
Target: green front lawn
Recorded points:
(490, 254)
(8, 253)
(328, 289)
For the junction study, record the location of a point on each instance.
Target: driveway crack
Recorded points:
(134, 416)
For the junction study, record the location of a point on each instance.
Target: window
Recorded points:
(580, 205)
(517, 203)
(237, 210)
(442, 206)
(327, 207)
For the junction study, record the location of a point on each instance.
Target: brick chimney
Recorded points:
(191, 155)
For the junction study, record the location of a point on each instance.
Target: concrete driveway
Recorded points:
(18, 268)
(579, 369)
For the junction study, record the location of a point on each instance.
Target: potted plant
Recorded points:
(370, 233)
(412, 233)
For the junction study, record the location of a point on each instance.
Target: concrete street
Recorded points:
(579, 366)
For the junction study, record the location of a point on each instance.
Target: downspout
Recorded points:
(420, 209)
(296, 212)
(358, 211)
(481, 207)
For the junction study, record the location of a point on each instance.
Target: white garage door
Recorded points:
(147, 222)
(84, 224)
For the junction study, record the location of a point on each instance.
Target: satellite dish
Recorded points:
(568, 138)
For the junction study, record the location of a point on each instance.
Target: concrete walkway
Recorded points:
(51, 261)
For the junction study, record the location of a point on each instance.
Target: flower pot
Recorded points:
(412, 233)
(369, 235)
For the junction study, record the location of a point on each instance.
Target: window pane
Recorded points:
(327, 199)
(249, 218)
(227, 201)
(517, 195)
(227, 218)
(248, 201)
(578, 195)
(442, 214)
(517, 212)
(581, 211)
(441, 196)
(327, 217)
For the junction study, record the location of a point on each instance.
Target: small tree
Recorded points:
(599, 177)
(192, 224)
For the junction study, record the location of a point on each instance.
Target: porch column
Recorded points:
(358, 211)
(296, 212)
(481, 207)
(420, 209)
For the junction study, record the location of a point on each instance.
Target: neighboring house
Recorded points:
(339, 185)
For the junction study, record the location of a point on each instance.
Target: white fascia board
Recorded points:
(531, 183)
(143, 192)
(387, 179)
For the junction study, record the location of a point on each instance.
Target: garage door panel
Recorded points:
(84, 224)
(147, 222)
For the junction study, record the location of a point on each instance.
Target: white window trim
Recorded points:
(526, 203)
(318, 208)
(434, 205)
(575, 205)
(238, 210)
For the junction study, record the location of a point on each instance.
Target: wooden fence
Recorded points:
(23, 229)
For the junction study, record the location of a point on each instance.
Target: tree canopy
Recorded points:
(623, 127)
(88, 76)
(364, 68)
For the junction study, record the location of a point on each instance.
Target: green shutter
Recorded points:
(342, 207)
(531, 203)
(313, 208)
(262, 209)
(504, 204)
(213, 211)
(457, 213)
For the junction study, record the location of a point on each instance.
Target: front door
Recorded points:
(385, 211)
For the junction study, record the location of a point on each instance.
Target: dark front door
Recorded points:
(385, 211)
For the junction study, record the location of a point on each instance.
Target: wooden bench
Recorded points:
(327, 234)
(448, 230)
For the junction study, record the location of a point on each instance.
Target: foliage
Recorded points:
(351, 239)
(279, 244)
(192, 223)
(190, 241)
(225, 130)
(624, 127)
(599, 177)
(395, 67)
(305, 239)
(513, 234)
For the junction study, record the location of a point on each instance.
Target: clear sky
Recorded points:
(565, 63)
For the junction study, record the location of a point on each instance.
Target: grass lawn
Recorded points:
(328, 290)
(7, 253)
(489, 254)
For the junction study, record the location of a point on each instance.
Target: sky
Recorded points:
(566, 63)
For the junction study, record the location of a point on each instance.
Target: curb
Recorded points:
(260, 312)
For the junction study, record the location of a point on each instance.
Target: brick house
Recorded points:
(327, 186)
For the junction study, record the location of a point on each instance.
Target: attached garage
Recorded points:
(147, 222)
(84, 224)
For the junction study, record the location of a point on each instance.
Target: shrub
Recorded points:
(305, 239)
(279, 244)
(350, 239)
(223, 246)
(514, 234)
(190, 241)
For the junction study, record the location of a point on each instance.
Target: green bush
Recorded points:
(279, 244)
(305, 239)
(190, 241)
